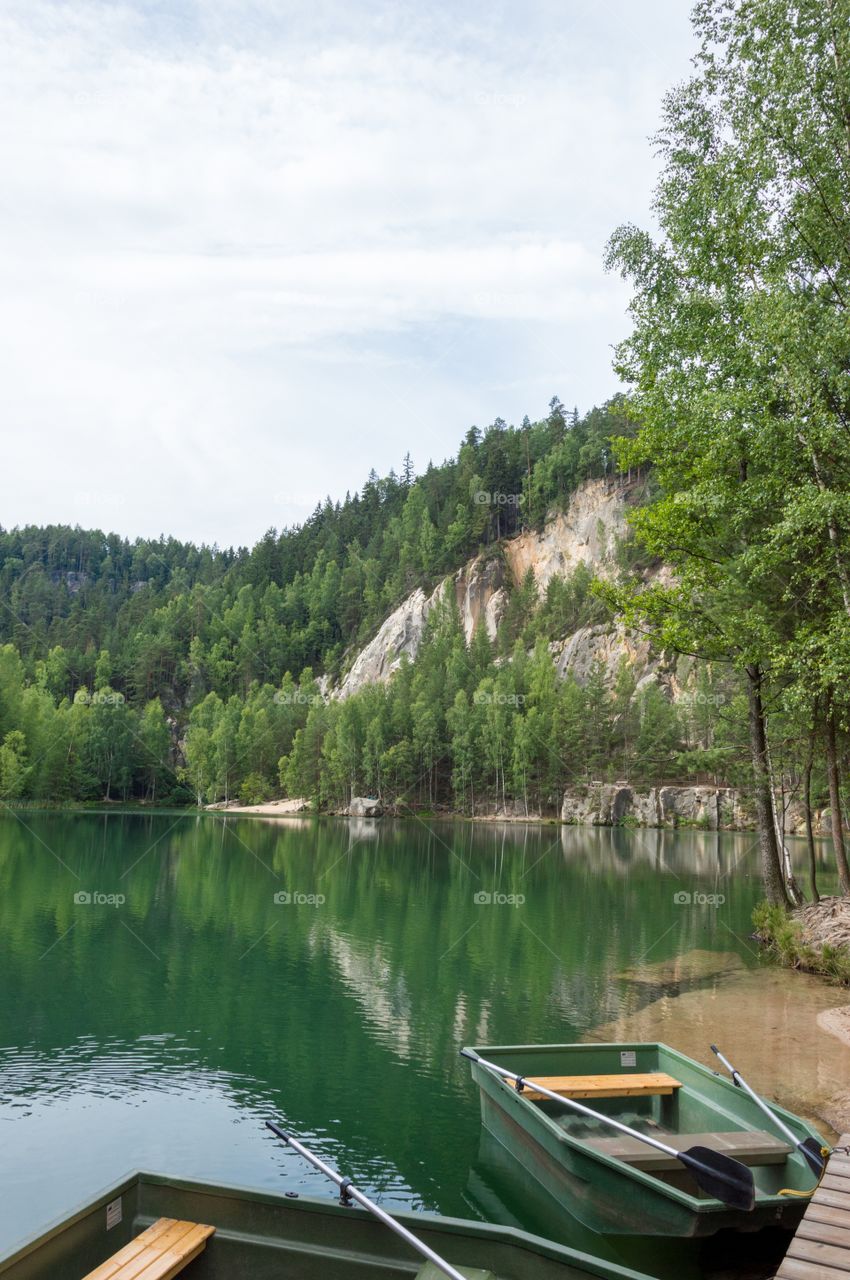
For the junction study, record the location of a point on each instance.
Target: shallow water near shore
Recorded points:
(169, 981)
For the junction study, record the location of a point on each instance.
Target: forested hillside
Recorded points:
(155, 670)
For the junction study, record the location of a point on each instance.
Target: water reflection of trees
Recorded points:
(379, 984)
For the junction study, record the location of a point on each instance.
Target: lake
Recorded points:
(170, 981)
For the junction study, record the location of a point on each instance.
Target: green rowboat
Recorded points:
(617, 1185)
(259, 1236)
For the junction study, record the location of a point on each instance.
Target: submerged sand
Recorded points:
(782, 1029)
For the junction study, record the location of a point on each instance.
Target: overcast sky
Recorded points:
(251, 250)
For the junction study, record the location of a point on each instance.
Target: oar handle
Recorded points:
(739, 1080)
(727, 1064)
(348, 1188)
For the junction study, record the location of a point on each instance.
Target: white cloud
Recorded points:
(219, 229)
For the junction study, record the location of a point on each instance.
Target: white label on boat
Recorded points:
(628, 1058)
(113, 1213)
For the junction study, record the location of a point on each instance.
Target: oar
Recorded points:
(348, 1192)
(718, 1175)
(809, 1149)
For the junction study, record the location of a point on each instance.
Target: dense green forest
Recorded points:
(178, 621)
(163, 671)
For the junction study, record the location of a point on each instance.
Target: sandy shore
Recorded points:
(270, 809)
(836, 1022)
(781, 1028)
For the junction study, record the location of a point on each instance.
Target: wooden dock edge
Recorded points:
(820, 1249)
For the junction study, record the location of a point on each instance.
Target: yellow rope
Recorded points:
(826, 1152)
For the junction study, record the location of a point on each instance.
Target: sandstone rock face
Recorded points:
(609, 804)
(400, 634)
(480, 594)
(584, 534)
(606, 647)
(365, 807)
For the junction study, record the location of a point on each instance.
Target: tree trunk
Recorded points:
(807, 808)
(774, 884)
(793, 890)
(835, 803)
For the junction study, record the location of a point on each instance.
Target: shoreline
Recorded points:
(301, 809)
(836, 1022)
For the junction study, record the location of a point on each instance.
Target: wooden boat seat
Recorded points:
(160, 1252)
(751, 1148)
(631, 1085)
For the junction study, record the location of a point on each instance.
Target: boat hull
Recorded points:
(605, 1195)
(260, 1236)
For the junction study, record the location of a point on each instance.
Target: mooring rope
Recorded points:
(826, 1152)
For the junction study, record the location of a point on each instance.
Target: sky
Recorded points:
(249, 251)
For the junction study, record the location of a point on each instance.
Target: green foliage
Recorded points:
(783, 936)
(169, 620)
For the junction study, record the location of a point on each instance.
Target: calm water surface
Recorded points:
(158, 1032)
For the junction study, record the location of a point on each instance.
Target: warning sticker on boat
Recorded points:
(628, 1058)
(113, 1213)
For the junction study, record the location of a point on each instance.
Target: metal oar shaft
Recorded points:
(349, 1189)
(768, 1111)
(578, 1106)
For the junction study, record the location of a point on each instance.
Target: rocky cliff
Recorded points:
(479, 589)
(586, 533)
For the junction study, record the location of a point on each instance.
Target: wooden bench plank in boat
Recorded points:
(623, 1085)
(159, 1253)
(750, 1147)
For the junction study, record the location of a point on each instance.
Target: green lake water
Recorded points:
(325, 972)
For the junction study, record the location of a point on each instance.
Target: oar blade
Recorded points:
(810, 1150)
(721, 1177)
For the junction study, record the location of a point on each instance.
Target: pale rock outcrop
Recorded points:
(480, 596)
(609, 804)
(401, 633)
(364, 807)
(606, 647)
(585, 533)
